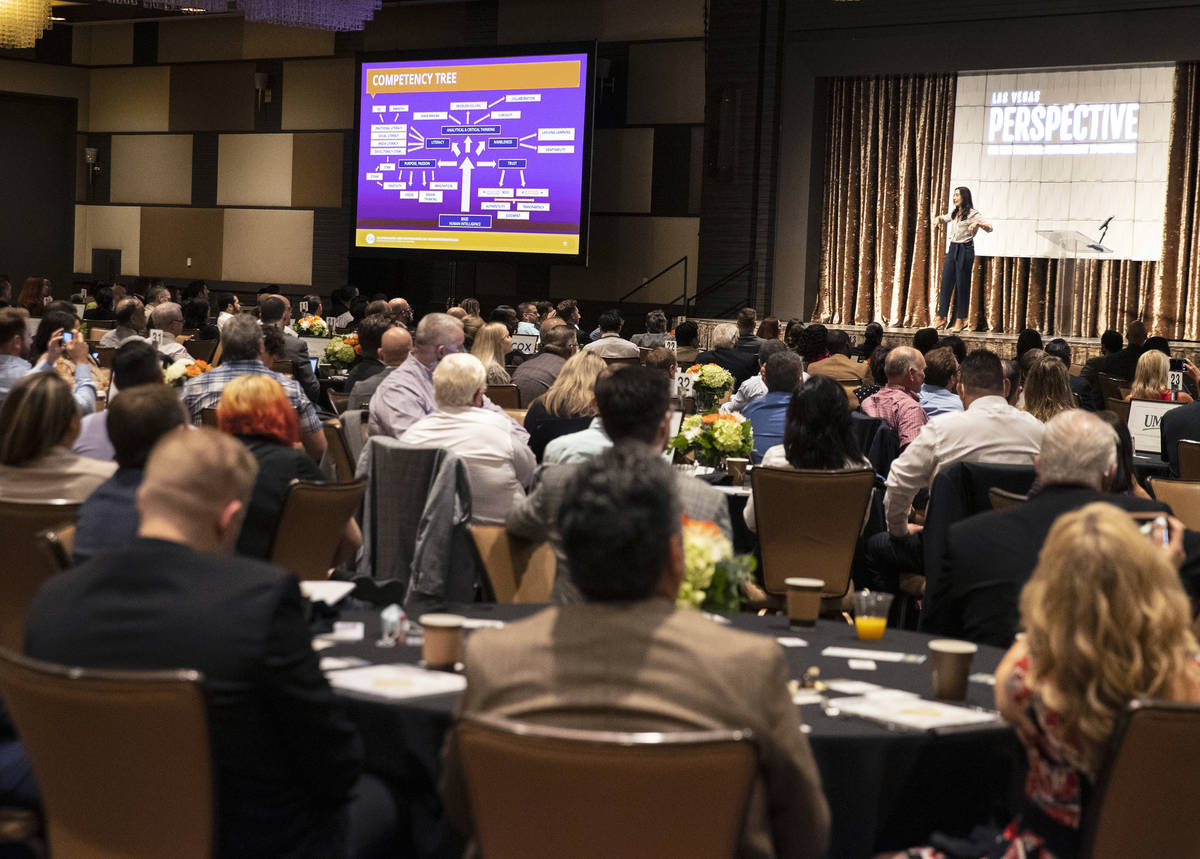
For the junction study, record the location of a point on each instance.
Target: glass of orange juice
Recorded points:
(871, 613)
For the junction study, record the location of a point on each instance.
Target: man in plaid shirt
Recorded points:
(241, 350)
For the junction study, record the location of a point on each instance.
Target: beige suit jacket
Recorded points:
(649, 667)
(839, 367)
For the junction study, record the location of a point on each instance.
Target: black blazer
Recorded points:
(740, 363)
(990, 556)
(285, 757)
(297, 353)
(1176, 425)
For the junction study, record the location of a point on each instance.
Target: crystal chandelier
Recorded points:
(309, 14)
(22, 22)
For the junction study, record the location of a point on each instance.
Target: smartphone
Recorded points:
(68, 336)
(1176, 365)
(1148, 529)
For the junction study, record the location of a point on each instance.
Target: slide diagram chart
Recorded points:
(473, 155)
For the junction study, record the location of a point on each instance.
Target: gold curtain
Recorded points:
(887, 169)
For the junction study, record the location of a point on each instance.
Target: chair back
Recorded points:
(283, 368)
(208, 418)
(1119, 407)
(616, 362)
(1189, 459)
(601, 793)
(808, 523)
(337, 401)
(1110, 387)
(26, 565)
(1002, 499)
(337, 451)
(518, 570)
(1183, 497)
(57, 547)
(104, 357)
(121, 758)
(505, 396)
(517, 415)
(201, 350)
(311, 525)
(1138, 807)
(97, 330)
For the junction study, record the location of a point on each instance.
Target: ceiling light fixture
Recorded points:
(22, 22)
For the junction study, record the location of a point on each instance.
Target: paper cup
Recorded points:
(443, 640)
(736, 466)
(803, 600)
(951, 661)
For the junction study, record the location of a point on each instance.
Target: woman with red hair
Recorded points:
(33, 294)
(255, 409)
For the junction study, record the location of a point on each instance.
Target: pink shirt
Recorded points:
(901, 409)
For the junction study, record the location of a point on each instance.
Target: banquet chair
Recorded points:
(1183, 497)
(1002, 499)
(56, 546)
(337, 401)
(601, 793)
(1139, 806)
(311, 524)
(104, 356)
(283, 368)
(518, 570)
(337, 451)
(1189, 459)
(809, 521)
(1119, 407)
(208, 418)
(121, 757)
(505, 396)
(1111, 387)
(201, 350)
(26, 565)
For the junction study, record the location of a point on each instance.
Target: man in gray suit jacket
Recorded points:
(626, 659)
(634, 405)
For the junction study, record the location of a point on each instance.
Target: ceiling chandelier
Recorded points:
(308, 14)
(22, 22)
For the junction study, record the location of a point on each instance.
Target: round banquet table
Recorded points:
(887, 789)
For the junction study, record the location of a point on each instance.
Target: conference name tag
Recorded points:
(526, 344)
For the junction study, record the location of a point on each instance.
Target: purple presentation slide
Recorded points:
(452, 150)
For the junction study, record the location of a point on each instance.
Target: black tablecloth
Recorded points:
(886, 789)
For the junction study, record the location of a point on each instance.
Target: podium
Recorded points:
(1073, 249)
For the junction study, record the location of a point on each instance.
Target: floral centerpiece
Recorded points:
(181, 371)
(311, 326)
(713, 437)
(710, 383)
(712, 573)
(343, 352)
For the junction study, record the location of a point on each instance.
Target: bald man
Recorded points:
(401, 312)
(393, 351)
(899, 402)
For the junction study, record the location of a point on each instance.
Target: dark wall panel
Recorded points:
(196, 105)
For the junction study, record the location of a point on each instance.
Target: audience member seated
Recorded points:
(393, 351)
(687, 341)
(990, 556)
(570, 404)
(956, 345)
(1061, 350)
(568, 312)
(131, 322)
(370, 338)
(939, 391)
(33, 294)
(6, 291)
(747, 340)
(73, 364)
(1120, 364)
(134, 364)
(535, 376)
(610, 343)
(230, 307)
(406, 394)
(1125, 481)
(506, 316)
(38, 424)
(195, 318)
(742, 363)
(401, 311)
(838, 365)
(1174, 426)
(634, 405)
(899, 402)
(103, 311)
(656, 331)
(1106, 623)
(817, 434)
(255, 410)
(277, 312)
(812, 346)
(529, 322)
(925, 340)
(755, 387)
(1151, 381)
(768, 414)
(1048, 389)
(987, 430)
(768, 329)
(491, 344)
(1012, 377)
(1026, 362)
(662, 360)
(500, 465)
(877, 374)
(1026, 340)
(136, 421)
(664, 668)
(168, 319)
(242, 348)
(1111, 342)
(16, 347)
(471, 326)
(872, 339)
(286, 761)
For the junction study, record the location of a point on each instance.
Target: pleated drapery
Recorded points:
(887, 169)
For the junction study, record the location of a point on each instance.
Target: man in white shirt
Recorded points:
(987, 430)
(610, 343)
(168, 318)
(230, 307)
(754, 387)
(499, 466)
(529, 321)
(131, 321)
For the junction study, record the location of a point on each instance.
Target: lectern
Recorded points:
(1072, 248)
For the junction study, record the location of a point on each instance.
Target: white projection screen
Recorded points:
(1065, 149)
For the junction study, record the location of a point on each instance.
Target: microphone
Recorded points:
(1104, 226)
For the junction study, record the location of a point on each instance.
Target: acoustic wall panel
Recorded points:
(269, 40)
(254, 170)
(624, 251)
(132, 99)
(268, 246)
(318, 94)
(666, 83)
(113, 227)
(174, 237)
(151, 168)
(317, 170)
(622, 164)
(102, 44)
(212, 97)
(192, 40)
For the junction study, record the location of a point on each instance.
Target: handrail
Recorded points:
(737, 272)
(650, 280)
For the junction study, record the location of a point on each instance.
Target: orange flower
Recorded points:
(196, 368)
(717, 416)
(695, 368)
(702, 526)
(357, 349)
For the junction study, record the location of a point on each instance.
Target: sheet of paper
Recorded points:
(397, 681)
(806, 696)
(791, 641)
(862, 653)
(329, 592)
(338, 663)
(852, 687)
(985, 679)
(482, 623)
(862, 664)
(913, 713)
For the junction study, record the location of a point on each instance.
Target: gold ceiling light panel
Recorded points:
(22, 22)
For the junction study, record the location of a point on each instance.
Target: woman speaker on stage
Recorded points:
(964, 219)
